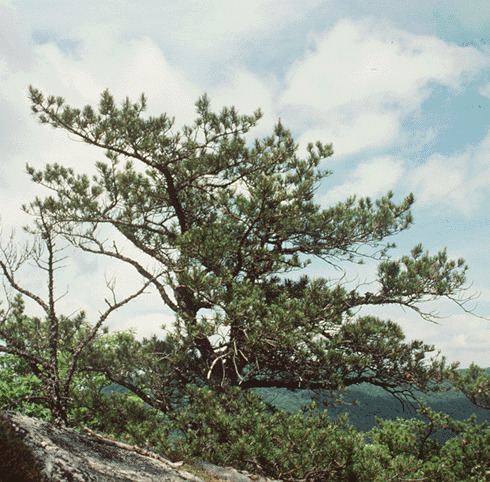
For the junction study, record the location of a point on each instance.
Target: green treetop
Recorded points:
(222, 225)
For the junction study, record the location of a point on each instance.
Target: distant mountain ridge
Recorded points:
(363, 403)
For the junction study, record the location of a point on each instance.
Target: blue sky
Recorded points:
(402, 92)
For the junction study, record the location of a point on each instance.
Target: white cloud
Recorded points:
(363, 77)
(374, 177)
(198, 34)
(459, 181)
(103, 59)
(485, 90)
(349, 134)
(217, 23)
(459, 336)
(247, 92)
(370, 63)
(136, 66)
(355, 88)
(14, 39)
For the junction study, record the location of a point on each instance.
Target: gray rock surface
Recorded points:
(63, 455)
(230, 474)
(55, 454)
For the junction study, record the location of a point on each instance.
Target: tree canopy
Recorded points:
(223, 227)
(224, 224)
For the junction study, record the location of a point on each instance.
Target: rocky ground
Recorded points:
(34, 450)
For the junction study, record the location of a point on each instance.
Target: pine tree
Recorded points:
(225, 224)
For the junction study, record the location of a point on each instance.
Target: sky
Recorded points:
(402, 92)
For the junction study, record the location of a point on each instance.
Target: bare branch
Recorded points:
(93, 332)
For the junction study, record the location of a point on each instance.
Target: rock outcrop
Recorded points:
(35, 451)
(62, 454)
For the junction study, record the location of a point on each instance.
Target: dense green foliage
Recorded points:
(238, 428)
(475, 384)
(310, 445)
(221, 226)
